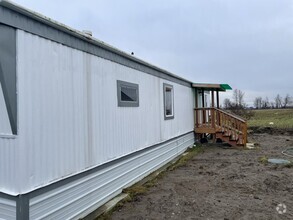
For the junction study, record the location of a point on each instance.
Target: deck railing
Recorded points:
(212, 120)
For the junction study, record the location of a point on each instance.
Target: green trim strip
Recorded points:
(226, 87)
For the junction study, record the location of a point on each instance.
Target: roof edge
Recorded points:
(79, 34)
(212, 86)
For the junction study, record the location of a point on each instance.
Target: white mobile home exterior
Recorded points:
(66, 146)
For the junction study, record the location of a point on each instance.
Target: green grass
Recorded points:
(263, 160)
(281, 118)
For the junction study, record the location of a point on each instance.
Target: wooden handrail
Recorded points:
(224, 112)
(232, 115)
(212, 120)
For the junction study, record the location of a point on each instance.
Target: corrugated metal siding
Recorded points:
(69, 120)
(5, 127)
(7, 209)
(52, 110)
(9, 179)
(8, 152)
(79, 198)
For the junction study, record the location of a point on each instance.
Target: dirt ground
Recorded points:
(222, 184)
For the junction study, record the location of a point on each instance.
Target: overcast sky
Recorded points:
(245, 43)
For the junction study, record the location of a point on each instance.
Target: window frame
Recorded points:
(122, 103)
(165, 86)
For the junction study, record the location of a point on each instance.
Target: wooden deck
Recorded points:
(226, 126)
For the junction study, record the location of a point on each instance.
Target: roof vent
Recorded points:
(89, 33)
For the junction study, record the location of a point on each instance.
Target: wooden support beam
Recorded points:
(196, 106)
(213, 109)
(213, 99)
(203, 111)
(196, 98)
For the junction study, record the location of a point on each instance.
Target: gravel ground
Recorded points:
(222, 184)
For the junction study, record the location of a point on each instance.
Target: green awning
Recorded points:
(212, 86)
(226, 87)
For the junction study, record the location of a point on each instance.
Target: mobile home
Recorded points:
(80, 120)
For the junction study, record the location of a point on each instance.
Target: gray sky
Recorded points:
(245, 43)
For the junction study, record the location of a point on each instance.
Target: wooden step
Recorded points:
(227, 137)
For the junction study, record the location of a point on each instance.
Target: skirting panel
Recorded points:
(7, 209)
(78, 198)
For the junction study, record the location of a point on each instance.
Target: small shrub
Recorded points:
(241, 110)
(263, 160)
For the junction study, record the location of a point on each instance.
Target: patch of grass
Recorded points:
(135, 190)
(281, 118)
(263, 160)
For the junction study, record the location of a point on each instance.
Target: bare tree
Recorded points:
(287, 101)
(238, 97)
(227, 103)
(265, 103)
(257, 102)
(278, 101)
(238, 106)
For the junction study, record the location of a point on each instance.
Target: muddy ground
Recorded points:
(222, 184)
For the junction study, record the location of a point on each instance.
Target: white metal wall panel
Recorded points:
(69, 119)
(5, 127)
(9, 180)
(83, 196)
(52, 110)
(7, 209)
(133, 128)
(8, 154)
(183, 112)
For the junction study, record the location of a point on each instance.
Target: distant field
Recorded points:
(277, 118)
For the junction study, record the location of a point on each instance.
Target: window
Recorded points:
(168, 101)
(128, 95)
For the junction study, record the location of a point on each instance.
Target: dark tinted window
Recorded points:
(127, 94)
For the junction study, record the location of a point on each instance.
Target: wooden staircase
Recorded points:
(223, 125)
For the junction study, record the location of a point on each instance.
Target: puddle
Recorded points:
(278, 161)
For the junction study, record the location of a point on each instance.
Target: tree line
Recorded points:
(239, 107)
(259, 102)
(278, 102)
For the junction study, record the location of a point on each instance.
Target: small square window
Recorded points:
(128, 94)
(168, 101)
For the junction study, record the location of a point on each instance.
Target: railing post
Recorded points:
(245, 134)
(203, 116)
(220, 119)
(213, 117)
